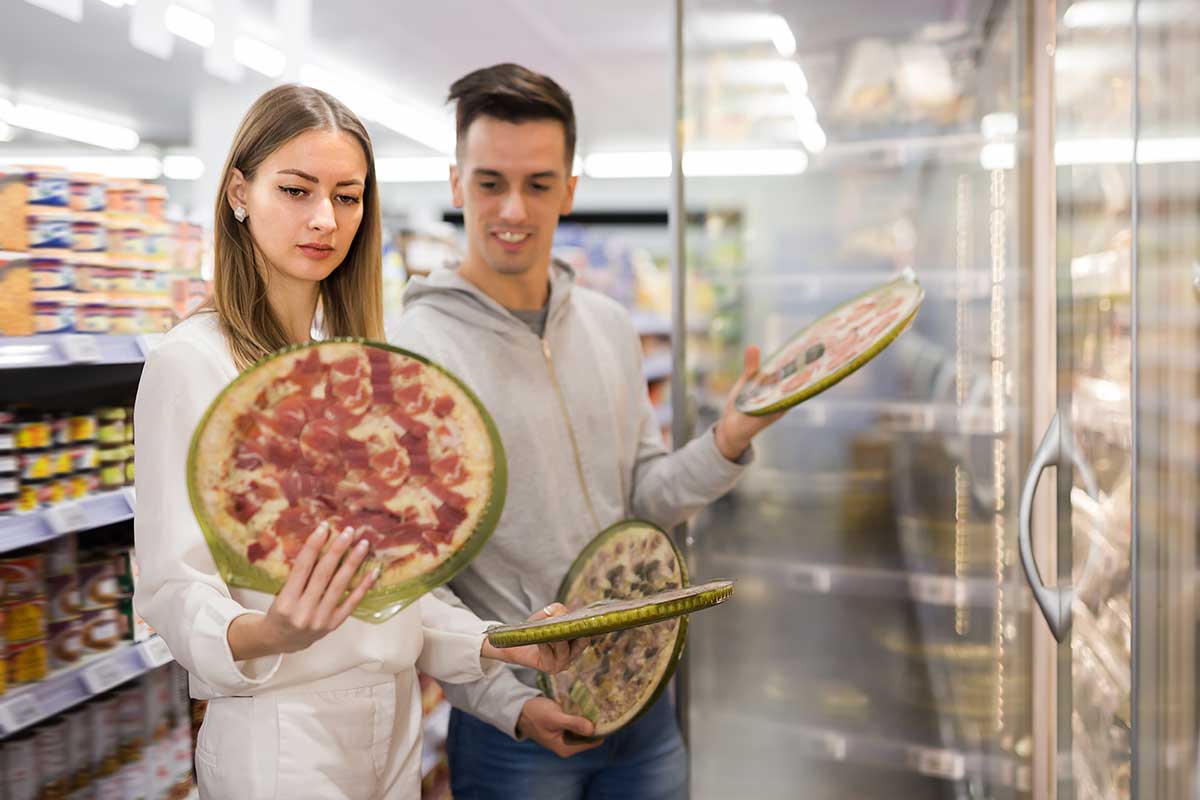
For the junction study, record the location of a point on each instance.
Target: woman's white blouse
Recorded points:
(182, 596)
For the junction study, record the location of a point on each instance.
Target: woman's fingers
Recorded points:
(293, 587)
(341, 581)
(326, 566)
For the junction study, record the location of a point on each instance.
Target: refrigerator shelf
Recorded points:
(75, 349)
(35, 527)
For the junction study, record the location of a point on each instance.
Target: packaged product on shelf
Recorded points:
(62, 556)
(52, 275)
(79, 749)
(126, 240)
(88, 192)
(131, 713)
(53, 318)
(33, 431)
(62, 599)
(88, 235)
(81, 427)
(103, 719)
(27, 663)
(21, 778)
(98, 580)
(48, 231)
(92, 279)
(124, 198)
(25, 621)
(93, 318)
(30, 495)
(65, 644)
(154, 201)
(13, 199)
(23, 575)
(158, 245)
(10, 495)
(16, 292)
(35, 464)
(48, 187)
(102, 630)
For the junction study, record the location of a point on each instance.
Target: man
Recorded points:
(559, 368)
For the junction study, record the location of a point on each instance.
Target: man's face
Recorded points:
(512, 183)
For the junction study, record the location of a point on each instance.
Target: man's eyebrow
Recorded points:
(492, 173)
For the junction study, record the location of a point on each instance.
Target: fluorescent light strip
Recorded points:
(259, 56)
(145, 168)
(1119, 13)
(435, 169)
(1084, 152)
(698, 163)
(405, 119)
(782, 37)
(68, 126)
(187, 24)
(182, 167)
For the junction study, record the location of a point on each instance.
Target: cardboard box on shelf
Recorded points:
(16, 296)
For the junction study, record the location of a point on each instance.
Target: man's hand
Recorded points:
(544, 721)
(735, 430)
(549, 658)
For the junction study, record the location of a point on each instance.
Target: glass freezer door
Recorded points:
(878, 643)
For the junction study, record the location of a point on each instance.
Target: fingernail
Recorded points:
(374, 574)
(548, 610)
(346, 534)
(362, 546)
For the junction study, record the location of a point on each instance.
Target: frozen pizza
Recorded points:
(621, 674)
(831, 348)
(359, 435)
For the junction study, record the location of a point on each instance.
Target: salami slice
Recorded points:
(832, 347)
(340, 432)
(622, 673)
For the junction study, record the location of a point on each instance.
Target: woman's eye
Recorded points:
(348, 199)
(292, 191)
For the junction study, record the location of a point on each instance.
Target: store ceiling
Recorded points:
(612, 56)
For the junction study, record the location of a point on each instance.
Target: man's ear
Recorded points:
(569, 200)
(456, 187)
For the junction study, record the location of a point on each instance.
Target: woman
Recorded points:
(303, 701)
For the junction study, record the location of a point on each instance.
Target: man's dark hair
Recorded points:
(511, 93)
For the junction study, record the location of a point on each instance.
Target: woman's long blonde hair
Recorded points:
(351, 296)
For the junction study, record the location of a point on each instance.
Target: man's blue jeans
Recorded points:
(643, 761)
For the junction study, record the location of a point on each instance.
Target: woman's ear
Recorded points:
(235, 192)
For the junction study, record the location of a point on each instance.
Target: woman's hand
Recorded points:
(310, 604)
(550, 657)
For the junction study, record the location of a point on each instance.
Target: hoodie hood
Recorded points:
(455, 296)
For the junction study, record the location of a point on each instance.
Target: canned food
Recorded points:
(66, 643)
(63, 599)
(48, 230)
(88, 193)
(27, 663)
(61, 556)
(25, 621)
(93, 319)
(85, 482)
(30, 496)
(33, 432)
(54, 491)
(52, 276)
(53, 318)
(102, 630)
(92, 278)
(81, 428)
(98, 586)
(124, 281)
(126, 240)
(35, 465)
(126, 320)
(88, 236)
(23, 575)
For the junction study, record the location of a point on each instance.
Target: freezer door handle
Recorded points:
(1057, 444)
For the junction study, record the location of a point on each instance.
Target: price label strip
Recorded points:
(938, 763)
(154, 652)
(105, 675)
(67, 518)
(79, 348)
(20, 712)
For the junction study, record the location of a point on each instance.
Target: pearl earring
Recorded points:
(239, 214)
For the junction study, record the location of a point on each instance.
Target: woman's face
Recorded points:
(304, 203)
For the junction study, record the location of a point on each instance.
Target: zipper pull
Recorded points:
(546, 349)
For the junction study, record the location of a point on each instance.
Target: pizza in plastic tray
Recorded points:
(621, 674)
(832, 347)
(357, 434)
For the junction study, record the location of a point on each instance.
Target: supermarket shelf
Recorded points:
(649, 323)
(894, 416)
(97, 675)
(74, 349)
(936, 762)
(36, 527)
(657, 366)
(940, 590)
(433, 735)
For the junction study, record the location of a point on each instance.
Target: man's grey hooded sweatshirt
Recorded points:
(573, 412)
